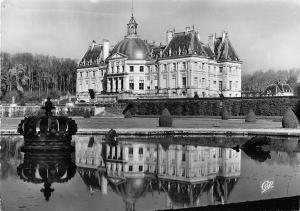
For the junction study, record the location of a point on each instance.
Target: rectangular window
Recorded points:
(141, 85)
(131, 68)
(220, 85)
(140, 168)
(174, 66)
(183, 65)
(195, 65)
(221, 69)
(141, 151)
(164, 67)
(203, 65)
(130, 168)
(141, 68)
(130, 150)
(196, 82)
(183, 156)
(184, 82)
(131, 84)
(230, 85)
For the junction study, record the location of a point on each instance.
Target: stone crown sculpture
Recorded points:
(47, 132)
(47, 125)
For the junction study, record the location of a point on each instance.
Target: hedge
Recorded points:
(272, 106)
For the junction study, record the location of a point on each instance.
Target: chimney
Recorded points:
(224, 35)
(187, 29)
(169, 36)
(198, 35)
(105, 49)
(92, 45)
(211, 42)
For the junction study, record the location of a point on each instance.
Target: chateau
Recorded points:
(183, 67)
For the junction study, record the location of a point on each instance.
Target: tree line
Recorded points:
(34, 77)
(259, 80)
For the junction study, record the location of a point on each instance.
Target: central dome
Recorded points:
(134, 48)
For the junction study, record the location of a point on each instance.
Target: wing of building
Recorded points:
(183, 67)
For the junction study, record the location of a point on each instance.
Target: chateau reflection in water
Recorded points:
(186, 174)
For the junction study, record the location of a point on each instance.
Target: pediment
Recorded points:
(117, 56)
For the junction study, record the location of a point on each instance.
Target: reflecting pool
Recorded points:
(142, 173)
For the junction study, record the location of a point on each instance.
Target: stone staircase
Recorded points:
(114, 110)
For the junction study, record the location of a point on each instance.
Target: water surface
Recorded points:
(147, 173)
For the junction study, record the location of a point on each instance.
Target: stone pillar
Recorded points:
(125, 83)
(107, 151)
(159, 77)
(103, 185)
(119, 84)
(177, 76)
(113, 85)
(108, 84)
(118, 151)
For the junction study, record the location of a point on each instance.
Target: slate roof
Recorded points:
(224, 50)
(185, 44)
(277, 88)
(91, 56)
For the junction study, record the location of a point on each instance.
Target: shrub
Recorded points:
(289, 119)
(165, 120)
(297, 109)
(87, 114)
(250, 117)
(22, 103)
(265, 106)
(224, 113)
(128, 114)
(29, 111)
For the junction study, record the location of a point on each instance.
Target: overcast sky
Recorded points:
(264, 33)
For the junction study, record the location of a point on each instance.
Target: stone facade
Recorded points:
(134, 68)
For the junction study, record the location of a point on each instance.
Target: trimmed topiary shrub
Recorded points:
(224, 113)
(250, 117)
(165, 120)
(289, 119)
(128, 114)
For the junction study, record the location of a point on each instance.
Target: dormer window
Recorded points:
(184, 65)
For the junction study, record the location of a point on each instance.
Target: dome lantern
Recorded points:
(132, 27)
